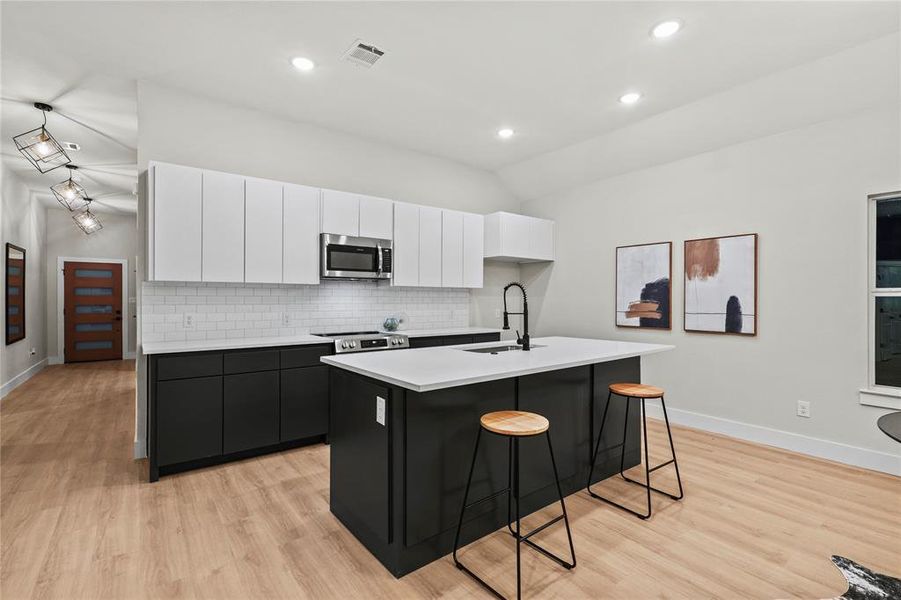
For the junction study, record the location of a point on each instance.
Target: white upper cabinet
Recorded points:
(376, 217)
(223, 227)
(518, 238)
(340, 213)
(451, 248)
(429, 246)
(406, 244)
(175, 222)
(345, 213)
(473, 250)
(263, 230)
(300, 234)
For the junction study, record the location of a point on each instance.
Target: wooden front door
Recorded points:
(93, 311)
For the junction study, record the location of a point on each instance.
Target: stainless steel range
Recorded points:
(364, 341)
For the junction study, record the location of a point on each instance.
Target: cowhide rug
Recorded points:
(864, 584)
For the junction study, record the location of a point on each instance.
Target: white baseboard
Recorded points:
(54, 360)
(140, 449)
(21, 378)
(843, 453)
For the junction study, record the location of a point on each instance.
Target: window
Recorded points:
(884, 300)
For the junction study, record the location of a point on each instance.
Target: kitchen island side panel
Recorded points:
(431, 437)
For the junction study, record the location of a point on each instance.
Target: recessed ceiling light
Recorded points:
(630, 98)
(505, 133)
(302, 63)
(666, 29)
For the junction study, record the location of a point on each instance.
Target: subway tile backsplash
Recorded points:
(173, 311)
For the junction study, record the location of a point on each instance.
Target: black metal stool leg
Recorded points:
(597, 445)
(518, 529)
(510, 486)
(647, 462)
(622, 458)
(672, 450)
(663, 464)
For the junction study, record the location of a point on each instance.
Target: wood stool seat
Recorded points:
(515, 423)
(636, 390)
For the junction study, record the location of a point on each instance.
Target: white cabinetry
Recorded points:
(300, 234)
(175, 223)
(263, 230)
(345, 213)
(429, 246)
(473, 250)
(340, 213)
(376, 217)
(406, 244)
(451, 248)
(518, 238)
(223, 227)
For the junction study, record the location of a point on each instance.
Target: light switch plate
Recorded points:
(380, 410)
(804, 408)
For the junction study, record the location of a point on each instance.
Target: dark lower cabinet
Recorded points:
(304, 403)
(452, 340)
(251, 411)
(426, 342)
(189, 419)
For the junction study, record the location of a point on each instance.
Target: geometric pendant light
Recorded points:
(86, 220)
(70, 193)
(39, 147)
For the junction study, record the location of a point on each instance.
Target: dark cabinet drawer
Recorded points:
(453, 340)
(304, 403)
(250, 362)
(189, 419)
(486, 337)
(306, 356)
(183, 366)
(426, 342)
(251, 416)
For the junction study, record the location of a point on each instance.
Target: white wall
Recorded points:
(804, 192)
(22, 221)
(117, 239)
(180, 128)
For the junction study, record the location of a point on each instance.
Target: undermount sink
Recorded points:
(496, 349)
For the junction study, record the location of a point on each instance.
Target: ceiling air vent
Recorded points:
(363, 55)
(71, 146)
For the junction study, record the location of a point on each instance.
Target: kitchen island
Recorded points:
(403, 424)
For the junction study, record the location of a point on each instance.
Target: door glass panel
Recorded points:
(888, 243)
(93, 309)
(13, 291)
(14, 271)
(93, 345)
(12, 310)
(93, 327)
(104, 273)
(888, 340)
(89, 291)
(12, 329)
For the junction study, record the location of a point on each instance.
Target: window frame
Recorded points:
(876, 395)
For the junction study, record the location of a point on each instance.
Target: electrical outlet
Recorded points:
(804, 408)
(497, 313)
(286, 319)
(33, 351)
(188, 322)
(379, 410)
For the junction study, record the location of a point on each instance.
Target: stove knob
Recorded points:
(353, 344)
(394, 341)
(343, 345)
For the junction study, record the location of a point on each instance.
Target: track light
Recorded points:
(70, 193)
(39, 147)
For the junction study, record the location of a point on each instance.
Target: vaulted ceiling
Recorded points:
(453, 72)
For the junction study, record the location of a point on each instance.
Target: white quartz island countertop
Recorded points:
(427, 369)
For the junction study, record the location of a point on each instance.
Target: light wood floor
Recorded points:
(77, 519)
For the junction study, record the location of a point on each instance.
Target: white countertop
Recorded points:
(448, 331)
(231, 344)
(287, 340)
(426, 369)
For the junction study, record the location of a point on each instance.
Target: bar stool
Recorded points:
(636, 391)
(514, 424)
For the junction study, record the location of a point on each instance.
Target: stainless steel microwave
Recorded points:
(347, 257)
